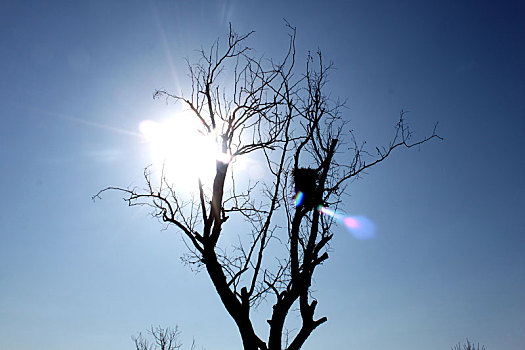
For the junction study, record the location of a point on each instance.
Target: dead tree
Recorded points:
(468, 346)
(162, 339)
(254, 105)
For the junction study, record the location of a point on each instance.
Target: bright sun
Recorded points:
(179, 145)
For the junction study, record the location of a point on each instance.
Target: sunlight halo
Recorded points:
(180, 146)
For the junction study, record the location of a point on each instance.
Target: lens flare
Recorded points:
(359, 226)
(298, 199)
(351, 223)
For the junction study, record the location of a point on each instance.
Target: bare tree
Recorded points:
(468, 346)
(163, 339)
(252, 105)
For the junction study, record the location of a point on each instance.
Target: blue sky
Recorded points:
(448, 260)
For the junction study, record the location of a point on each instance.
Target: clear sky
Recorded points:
(448, 261)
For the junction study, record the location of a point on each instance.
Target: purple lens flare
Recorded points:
(360, 227)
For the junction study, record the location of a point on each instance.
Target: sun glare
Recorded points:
(180, 147)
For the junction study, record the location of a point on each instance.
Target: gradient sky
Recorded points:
(448, 261)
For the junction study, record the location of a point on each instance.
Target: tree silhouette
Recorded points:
(162, 339)
(468, 346)
(257, 106)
